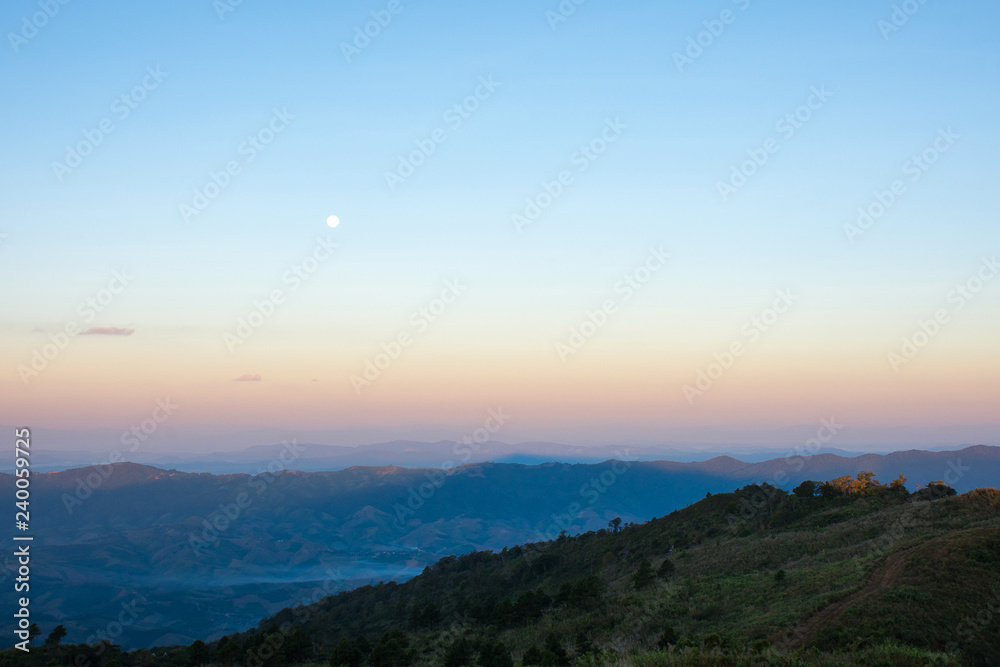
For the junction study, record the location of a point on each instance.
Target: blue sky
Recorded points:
(655, 185)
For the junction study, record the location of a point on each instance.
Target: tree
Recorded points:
(494, 654)
(391, 650)
(586, 591)
(806, 489)
(533, 656)
(56, 636)
(844, 483)
(228, 651)
(33, 631)
(564, 593)
(779, 576)
(666, 569)
(644, 575)
(347, 654)
(424, 617)
(298, 647)
(459, 654)
(934, 490)
(615, 524)
(197, 653)
(865, 483)
(554, 653)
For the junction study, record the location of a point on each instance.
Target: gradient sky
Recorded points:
(655, 186)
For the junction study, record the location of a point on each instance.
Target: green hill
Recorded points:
(850, 572)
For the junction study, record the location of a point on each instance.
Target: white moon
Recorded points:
(333, 221)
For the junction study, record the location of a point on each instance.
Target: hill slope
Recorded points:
(874, 576)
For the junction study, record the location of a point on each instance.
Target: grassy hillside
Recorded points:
(874, 576)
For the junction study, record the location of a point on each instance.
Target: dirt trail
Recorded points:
(877, 581)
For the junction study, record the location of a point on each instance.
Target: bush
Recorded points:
(668, 638)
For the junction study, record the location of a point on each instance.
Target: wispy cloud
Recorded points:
(108, 331)
(247, 378)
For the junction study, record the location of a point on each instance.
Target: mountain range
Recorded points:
(205, 555)
(405, 453)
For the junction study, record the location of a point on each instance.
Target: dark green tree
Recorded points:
(459, 654)
(830, 491)
(392, 650)
(229, 650)
(644, 575)
(56, 636)
(33, 631)
(666, 569)
(346, 654)
(586, 591)
(554, 653)
(806, 489)
(494, 654)
(533, 656)
(197, 653)
(297, 647)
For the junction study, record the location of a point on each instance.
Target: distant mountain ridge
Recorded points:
(404, 453)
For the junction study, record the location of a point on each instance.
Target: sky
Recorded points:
(637, 221)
